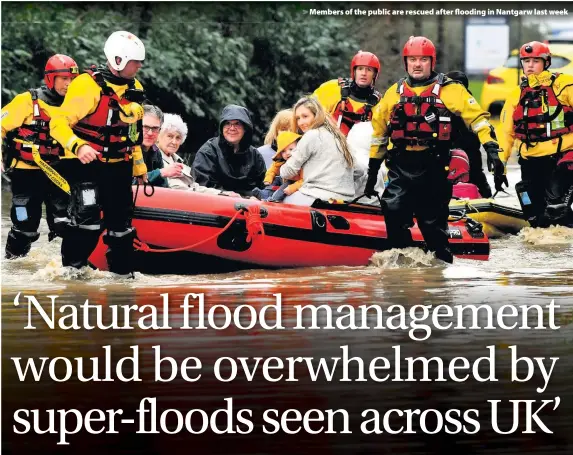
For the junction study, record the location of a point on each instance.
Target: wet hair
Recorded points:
(322, 119)
(281, 122)
(459, 76)
(150, 109)
(174, 122)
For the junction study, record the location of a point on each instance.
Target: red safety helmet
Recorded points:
(365, 59)
(536, 49)
(419, 45)
(59, 65)
(459, 167)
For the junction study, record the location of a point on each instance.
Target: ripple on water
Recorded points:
(404, 258)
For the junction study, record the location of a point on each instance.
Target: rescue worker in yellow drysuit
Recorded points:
(25, 124)
(537, 119)
(414, 135)
(100, 122)
(352, 100)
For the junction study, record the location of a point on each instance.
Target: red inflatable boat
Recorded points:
(189, 232)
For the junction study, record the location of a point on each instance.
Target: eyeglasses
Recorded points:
(236, 125)
(151, 129)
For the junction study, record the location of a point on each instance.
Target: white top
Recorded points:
(186, 181)
(325, 171)
(359, 139)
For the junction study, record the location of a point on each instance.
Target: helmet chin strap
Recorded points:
(113, 71)
(113, 76)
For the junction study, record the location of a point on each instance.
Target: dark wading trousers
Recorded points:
(99, 187)
(560, 197)
(418, 186)
(544, 183)
(30, 189)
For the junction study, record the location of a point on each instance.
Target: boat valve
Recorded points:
(473, 226)
(245, 208)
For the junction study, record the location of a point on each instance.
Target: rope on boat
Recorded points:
(253, 222)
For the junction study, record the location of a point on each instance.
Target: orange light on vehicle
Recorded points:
(494, 80)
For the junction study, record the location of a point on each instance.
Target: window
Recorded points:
(559, 62)
(556, 62)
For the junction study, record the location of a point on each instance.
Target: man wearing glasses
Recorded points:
(156, 172)
(229, 161)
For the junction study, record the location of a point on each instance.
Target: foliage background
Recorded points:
(202, 56)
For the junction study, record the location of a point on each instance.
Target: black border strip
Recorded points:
(274, 230)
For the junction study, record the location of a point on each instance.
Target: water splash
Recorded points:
(547, 236)
(405, 258)
(54, 270)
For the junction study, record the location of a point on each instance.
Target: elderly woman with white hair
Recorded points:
(171, 136)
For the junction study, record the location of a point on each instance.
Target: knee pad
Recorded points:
(84, 209)
(23, 217)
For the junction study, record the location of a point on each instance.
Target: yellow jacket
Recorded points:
(456, 99)
(275, 170)
(329, 95)
(20, 111)
(563, 87)
(81, 100)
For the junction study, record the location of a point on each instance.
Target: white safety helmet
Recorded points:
(123, 45)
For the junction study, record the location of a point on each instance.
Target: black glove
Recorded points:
(494, 164)
(373, 168)
(499, 180)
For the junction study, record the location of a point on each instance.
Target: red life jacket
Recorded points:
(423, 119)
(104, 130)
(38, 133)
(539, 116)
(349, 116)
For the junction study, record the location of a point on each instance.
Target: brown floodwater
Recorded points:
(534, 267)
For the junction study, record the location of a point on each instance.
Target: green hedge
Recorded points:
(200, 56)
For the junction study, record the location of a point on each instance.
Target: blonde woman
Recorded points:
(322, 154)
(281, 122)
